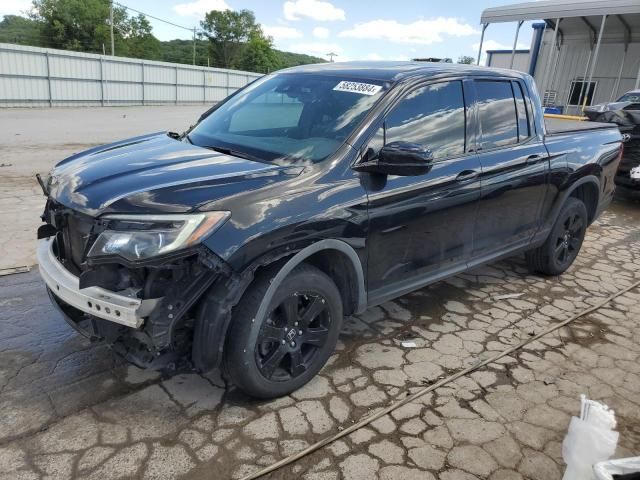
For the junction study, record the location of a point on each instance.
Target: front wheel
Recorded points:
(561, 248)
(277, 353)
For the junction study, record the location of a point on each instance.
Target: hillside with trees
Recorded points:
(227, 39)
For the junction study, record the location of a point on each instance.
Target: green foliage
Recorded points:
(258, 55)
(232, 39)
(229, 32)
(466, 59)
(81, 25)
(139, 42)
(290, 59)
(21, 30)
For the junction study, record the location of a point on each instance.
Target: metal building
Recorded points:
(583, 52)
(502, 59)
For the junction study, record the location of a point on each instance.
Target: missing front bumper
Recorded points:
(124, 309)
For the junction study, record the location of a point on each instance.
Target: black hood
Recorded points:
(155, 174)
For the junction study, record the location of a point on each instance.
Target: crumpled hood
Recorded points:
(624, 114)
(155, 174)
(604, 107)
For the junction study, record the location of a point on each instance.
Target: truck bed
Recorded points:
(558, 126)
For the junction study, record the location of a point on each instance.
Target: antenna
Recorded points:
(331, 55)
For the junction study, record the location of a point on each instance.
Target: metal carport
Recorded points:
(574, 35)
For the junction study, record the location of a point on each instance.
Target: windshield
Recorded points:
(289, 116)
(630, 97)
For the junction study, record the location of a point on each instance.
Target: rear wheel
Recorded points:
(561, 248)
(273, 355)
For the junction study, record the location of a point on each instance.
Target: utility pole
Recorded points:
(111, 25)
(331, 55)
(194, 45)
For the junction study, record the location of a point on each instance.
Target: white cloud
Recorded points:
(321, 32)
(200, 7)
(15, 7)
(279, 32)
(316, 9)
(423, 32)
(374, 56)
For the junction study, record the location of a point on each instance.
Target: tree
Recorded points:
(139, 42)
(228, 32)
(21, 30)
(466, 59)
(258, 54)
(78, 24)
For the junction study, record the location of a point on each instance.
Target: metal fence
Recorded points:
(37, 77)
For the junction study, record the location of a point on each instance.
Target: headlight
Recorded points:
(138, 237)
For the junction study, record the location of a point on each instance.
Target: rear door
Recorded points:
(515, 166)
(421, 226)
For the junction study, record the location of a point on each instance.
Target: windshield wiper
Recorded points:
(235, 153)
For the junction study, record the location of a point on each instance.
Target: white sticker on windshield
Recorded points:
(635, 173)
(357, 87)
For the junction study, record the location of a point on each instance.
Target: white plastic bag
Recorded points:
(606, 470)
(590, 439)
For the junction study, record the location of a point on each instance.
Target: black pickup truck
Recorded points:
(311, 194)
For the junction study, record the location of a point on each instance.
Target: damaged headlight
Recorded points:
(139, 237)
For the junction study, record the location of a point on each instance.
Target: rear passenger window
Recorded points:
(497, 110)
(524, 131)
(432, 116)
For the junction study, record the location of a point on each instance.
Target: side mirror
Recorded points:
(399, 158)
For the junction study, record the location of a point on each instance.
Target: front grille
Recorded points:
(77, 232)
(630, 159)
(74, 235)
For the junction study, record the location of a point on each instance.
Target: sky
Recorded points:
(354, 30)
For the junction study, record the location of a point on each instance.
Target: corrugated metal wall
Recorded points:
(503, 60)
(37, 77)
(570, 64)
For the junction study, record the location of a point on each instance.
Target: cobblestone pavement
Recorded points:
(72, 410)
(32, 140)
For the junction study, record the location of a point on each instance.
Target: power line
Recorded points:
(155, 18)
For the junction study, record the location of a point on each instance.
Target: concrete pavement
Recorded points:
(71, 409)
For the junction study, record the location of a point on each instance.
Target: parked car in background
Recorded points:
(312, 194)
(624, 112)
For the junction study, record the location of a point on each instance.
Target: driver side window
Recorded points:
(432, 116)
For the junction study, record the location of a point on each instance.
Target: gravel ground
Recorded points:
(32, 140)
(70, 409)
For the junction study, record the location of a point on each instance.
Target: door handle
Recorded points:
(466, 175)
(533, 159)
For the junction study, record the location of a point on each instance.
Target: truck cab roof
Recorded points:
(393, 71)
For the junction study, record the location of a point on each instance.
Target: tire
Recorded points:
(561, 247)
(272, 356)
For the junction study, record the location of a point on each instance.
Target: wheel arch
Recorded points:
(585, 188)
(350, 282)
(215, 309)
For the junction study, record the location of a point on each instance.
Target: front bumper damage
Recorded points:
(122, 308)
(144, 313)
(626, 116)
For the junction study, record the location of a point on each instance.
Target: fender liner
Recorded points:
(214, 315)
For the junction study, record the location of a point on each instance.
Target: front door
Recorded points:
(421, 226)
(515, 165)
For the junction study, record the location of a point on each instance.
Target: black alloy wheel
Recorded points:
(273, 353)
(569, 239)
(563, 244)
(292, 335)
